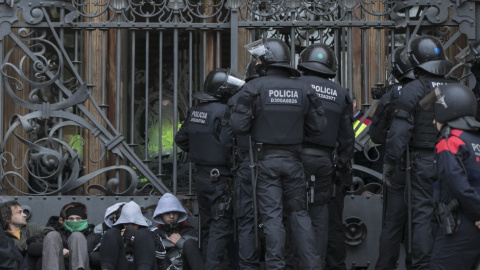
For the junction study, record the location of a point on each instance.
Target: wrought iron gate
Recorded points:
(92, 92)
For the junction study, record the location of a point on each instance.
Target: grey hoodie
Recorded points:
(131, 213)
(169, 203)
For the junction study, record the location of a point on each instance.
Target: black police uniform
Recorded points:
(458, 164)
(412, 125)
(248, 251)
(277, 111)
(201, 136)
(317, 157)
(396, 212)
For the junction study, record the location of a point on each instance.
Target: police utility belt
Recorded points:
(261, 150)
(319, 152)
(215, 172)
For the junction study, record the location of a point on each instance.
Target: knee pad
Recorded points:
(295, 200)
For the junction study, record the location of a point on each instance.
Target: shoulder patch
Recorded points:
(452, 146)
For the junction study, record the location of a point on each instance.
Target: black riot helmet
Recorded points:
(220, 84)
(318, 58)
(272, 52)
(454, 104)
(401, 66)
(427, 53)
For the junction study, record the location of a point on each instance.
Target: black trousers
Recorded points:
(423, 175)
(113, 254)
(336, 249)
(214, 232)
(279, 177)
(459, 251)
(394, 231)
(249, 256)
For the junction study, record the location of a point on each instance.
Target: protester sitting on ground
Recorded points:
(24, 234)
(10, 256)
(129, 243)
(178, 237)
(69, 247)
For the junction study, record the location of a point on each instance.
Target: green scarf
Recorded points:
(76, 226)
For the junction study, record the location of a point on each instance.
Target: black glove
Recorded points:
(388, 172)
(344, 176)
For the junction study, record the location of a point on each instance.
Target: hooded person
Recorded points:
(111, 215)
(110, 218)
(129, 243)
(178, 237)
(69, 247)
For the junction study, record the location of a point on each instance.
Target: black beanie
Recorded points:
(78, 211)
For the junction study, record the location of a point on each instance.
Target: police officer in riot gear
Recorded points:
(457, 151)
(396, 210)
(319, 64)
(202, 135)
(277, 110)
(470, 56)
(411, 126)
(248, 244)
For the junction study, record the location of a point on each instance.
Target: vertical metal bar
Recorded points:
(175, 95)
(365, 70)
(118, 95)
(147, 97)
(379, 57)
(477, 19)
(204, 60)
(218, 50)
(391, 45)
(292, 44)
(132, 89)
(350, 57)
(76, 61)
(337, 53)
(2, 110)
(190, 91)
(104, 72)
(60, 95)
(160, 98)
(344, 60)
(234, 38)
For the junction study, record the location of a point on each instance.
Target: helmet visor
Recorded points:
(427, 103)
(466, 56)
(234, 80)
(256, 48)
(259, 49)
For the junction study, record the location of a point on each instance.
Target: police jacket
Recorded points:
(202, 132)
(383, 116)
(338, 110)
(411, 124)
(459, 170)
(278, 110)
(242, 142)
